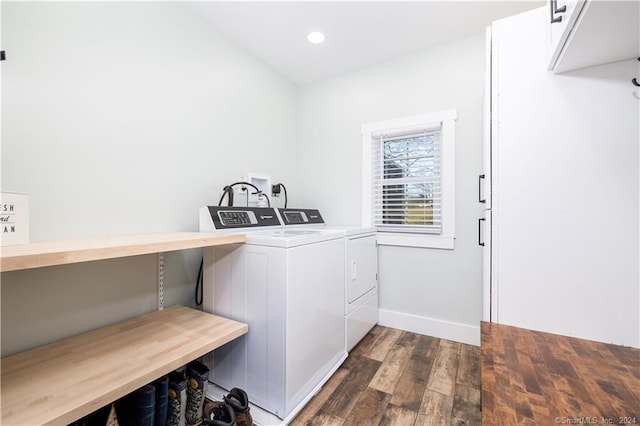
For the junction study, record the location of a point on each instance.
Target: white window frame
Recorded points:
(447, 119)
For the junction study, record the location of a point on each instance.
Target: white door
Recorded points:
(362, 266)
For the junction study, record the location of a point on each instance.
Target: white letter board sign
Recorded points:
(14, 218)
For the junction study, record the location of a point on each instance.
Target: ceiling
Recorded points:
(358, 33)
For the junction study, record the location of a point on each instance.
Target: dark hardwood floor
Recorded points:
(536, 378)
(395, 377)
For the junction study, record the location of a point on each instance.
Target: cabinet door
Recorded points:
(565, 191)
(362, 266)
(560, 25)
(602, 32)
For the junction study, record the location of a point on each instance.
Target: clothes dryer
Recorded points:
(288, 286)
(360, 270)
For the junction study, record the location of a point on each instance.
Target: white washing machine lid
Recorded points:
(352, 230)
(288, 238)
(347, 230)
(293, 218)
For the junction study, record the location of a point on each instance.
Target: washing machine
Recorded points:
(360, 270)
(288, 286)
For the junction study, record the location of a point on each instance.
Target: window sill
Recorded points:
(415, 240)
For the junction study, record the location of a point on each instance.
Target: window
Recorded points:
(408, 179)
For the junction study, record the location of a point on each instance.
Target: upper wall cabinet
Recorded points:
(584, 33)
(562, 18)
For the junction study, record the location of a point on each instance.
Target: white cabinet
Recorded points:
(562, 18)
(361, 293)
(564, 215)
(591, 32)
(484, 184)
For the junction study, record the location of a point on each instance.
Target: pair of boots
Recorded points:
(186, 395)
(146, 406)
(232, 411)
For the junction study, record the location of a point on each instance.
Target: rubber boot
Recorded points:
(99, 417)
(197, 376)
(137, 408)
(162, 388)
(177, 399)
(219, 414)
(239, 402)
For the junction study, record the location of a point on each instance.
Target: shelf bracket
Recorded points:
(160, 281)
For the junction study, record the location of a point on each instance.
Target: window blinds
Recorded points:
(406, 184)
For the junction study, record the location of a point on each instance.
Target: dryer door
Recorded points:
(362, 266)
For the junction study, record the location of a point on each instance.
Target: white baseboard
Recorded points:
(457, 332)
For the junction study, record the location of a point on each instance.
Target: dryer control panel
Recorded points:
(300, 216)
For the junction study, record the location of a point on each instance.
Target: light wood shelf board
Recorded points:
(36, 255)
(66, 380)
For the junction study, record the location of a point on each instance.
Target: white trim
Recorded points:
(457, 332)
(367, 212)
(446, 119)
(448, 175)
(411, 122)
(430, 127)
(416, 240)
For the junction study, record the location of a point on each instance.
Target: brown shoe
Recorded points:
(218, 413)
(239, 401)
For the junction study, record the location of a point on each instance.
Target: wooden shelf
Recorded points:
(66, 380)
(36, 255)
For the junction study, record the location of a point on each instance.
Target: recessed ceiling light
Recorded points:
(315, 37)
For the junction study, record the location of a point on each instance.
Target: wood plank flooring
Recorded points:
(536, 378)
(399, 378)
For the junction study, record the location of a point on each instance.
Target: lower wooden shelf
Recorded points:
(66, 380)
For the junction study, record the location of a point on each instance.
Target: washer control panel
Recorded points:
(237, 218)
(240, 217)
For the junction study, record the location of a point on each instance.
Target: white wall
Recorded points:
(441, 290)
(121, 118)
